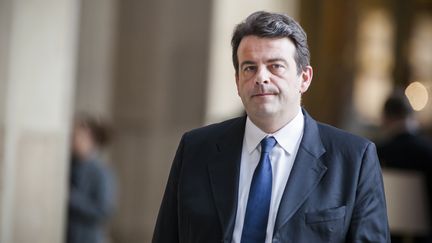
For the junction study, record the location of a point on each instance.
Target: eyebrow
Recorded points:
(277, 60)
(267, 61)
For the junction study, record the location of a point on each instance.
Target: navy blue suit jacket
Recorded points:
(334, 192)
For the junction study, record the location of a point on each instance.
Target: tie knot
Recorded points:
(267, 144)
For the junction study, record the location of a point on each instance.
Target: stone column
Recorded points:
(158, 94)
(95, 57)
(37, 66)
(5, 21)
(331, 28)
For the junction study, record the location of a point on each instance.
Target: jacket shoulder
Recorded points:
(214, 131)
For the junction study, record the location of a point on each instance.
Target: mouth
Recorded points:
(263, 94)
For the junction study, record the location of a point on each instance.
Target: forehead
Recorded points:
(252, 47)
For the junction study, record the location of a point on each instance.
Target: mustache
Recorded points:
(260, 90)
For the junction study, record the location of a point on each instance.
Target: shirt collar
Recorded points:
(287, 137)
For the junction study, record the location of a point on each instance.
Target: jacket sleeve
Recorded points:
(369, 219)
(95, 208)
(167, 228)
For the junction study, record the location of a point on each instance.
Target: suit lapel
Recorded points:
(305, 175)
(224, 169)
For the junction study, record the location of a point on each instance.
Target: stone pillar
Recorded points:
(37, 66)
(159, 93)
(5, 21)
(96, 50)
(331, 28)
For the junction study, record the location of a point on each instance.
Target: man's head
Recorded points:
(272, 68)
(88, 135)
(397, 107)
(398, 115)
(272, 25)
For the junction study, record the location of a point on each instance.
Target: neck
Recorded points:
(88, 155)
(272, 124)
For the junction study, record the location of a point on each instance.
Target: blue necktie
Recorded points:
(258, 205)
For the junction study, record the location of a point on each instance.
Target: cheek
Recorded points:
(76, 141)
(283, 85)
(289, 88)
(243, 86)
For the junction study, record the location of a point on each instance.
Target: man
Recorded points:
(275, 175)
(405, 148)
(92, 183)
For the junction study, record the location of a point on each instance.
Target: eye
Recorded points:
(249, 68)
(277, 68)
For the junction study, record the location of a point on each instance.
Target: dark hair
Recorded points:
(272, 25)
(99, 130)
(397, 106)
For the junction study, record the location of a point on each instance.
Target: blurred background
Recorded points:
(157, 68)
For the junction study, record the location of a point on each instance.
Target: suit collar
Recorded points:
(311, 141)
(287, 137)
(306, 173)
(224, 169)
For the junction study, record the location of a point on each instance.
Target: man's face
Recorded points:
(82, 142)
(267, 79)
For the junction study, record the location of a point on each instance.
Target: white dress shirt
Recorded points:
(282, 159)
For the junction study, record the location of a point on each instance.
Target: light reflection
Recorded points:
(417, 95)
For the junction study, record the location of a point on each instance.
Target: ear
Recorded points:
(306, 78)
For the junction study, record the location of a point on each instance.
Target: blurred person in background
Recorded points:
(92, 185)
(405, 148)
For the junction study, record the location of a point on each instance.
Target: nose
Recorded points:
(262, 76)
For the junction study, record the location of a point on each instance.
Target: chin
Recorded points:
(264, 113)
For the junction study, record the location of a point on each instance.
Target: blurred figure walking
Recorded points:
(405, 148)
(92, 185)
